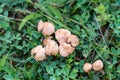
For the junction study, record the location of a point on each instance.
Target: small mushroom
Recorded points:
(98, 65)
(61, 35)
(45, 42)
(73, 40)
(87, 67)
(51, 47)
(39, 53)
(65, 49)
(48, 29)
(40, 25)
(46, 39)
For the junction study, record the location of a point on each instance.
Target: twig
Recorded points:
(111, 39)
(100, 31)
(17, 19)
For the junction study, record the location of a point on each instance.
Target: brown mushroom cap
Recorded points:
(98, 65)
(87, 67)
(48, 29)
(40, 25)
(39, 53)
(51, 47)
(61, 35)
(73, 40)
(65, 49)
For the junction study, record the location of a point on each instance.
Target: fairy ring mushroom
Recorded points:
(61, 35)
(65, 49)
(47, 28)
(38, 53)
(73, 40)
(87, 67)
(98, 65)
(51, 47)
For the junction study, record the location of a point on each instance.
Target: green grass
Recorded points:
(95, 22)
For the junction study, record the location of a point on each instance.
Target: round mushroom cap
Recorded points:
(40, 25)
(73, 40)
(48, 29)
(61, 35)
(51, 47)
(98, 65)
(65, 49)
(87, 67)
(39, 53)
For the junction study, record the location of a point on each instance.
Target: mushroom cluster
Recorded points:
(97, 66)
(64, 42)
